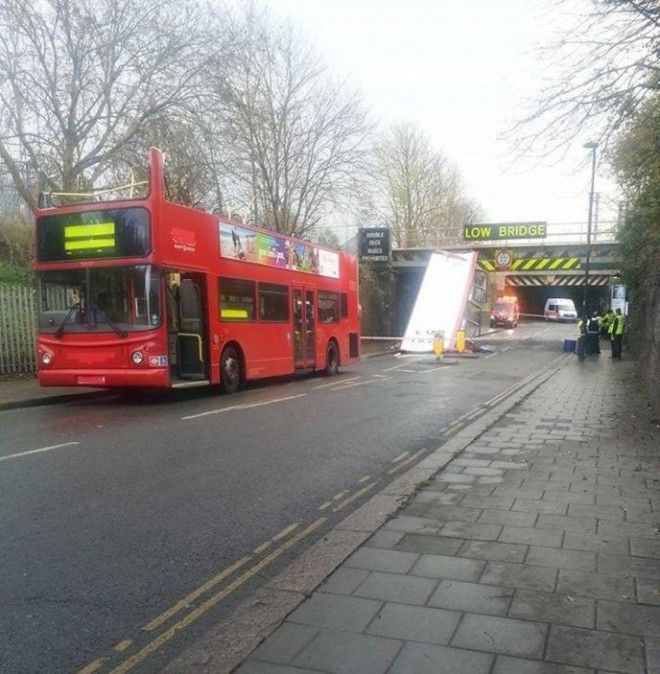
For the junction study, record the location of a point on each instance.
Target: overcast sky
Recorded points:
(462, 70)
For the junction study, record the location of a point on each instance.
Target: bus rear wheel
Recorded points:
(230, 370)
(332, 359)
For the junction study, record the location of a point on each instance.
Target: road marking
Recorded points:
(400, 457)
(363, 479)
(247, 406)
(380, 376)
(410, 371)
(406, 462)
(350, 499)
(341, 387)
(474, 414)
(336, 497)
(432, 369)
(325, 505)
(490, 355)
(205, 414)
(187, 620)
(123, 645)
(285, 532)
(37, 451)
(334, 383)
(396, 367)
(270, 402)
(166, 615)
(506, 348)
(91, 667)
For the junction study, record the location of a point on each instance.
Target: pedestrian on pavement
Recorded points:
(593, 333)
(605, 323)
(617, 331)
(581, 346)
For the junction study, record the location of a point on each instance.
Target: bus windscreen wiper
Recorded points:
(114, 326)
(72, 309)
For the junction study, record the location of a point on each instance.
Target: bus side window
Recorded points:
(343, 305)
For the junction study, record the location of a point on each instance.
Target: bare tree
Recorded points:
(418, 192)
(80, 78)
(294, 139)
(607, 65)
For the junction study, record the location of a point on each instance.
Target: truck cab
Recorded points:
(505, 312)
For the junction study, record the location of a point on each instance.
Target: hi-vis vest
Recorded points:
(619, 325)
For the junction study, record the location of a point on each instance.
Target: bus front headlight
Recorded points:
(137, 357)
(46, 358)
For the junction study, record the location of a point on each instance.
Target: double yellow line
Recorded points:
(188, 619)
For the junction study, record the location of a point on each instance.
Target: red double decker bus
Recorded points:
(149, 293)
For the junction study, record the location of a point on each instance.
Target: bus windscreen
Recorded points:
(93, 235)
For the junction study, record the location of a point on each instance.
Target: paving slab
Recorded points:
(505, 664)
(285, 643)
(520, 575)
(415, 623)
(648, 591)
(432, 545)
(445, 567)
(591, 648)
(344, 580)
(341, 652)
(394, 561)
(532, 536)
(598, 585)
(396, 587)
(501, 635)
(535, 551)
(553, 608)
(428, 659)
(509, 552)
(629, 618)
(562, 559)
(261, 667)
(474, 597)
(326, 610)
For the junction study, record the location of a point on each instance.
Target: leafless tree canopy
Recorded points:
(252, 123)
(79, 78)
(294, 139)
(609, 64)
(420, 193)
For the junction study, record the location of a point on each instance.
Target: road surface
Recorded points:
(121, 517)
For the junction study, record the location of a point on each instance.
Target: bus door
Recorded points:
(186, 301)
(304, 328)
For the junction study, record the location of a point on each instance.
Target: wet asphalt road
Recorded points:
(137, 502)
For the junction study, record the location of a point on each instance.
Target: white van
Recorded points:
(559, 309)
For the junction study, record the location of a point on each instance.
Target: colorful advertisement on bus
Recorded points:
(273, 250)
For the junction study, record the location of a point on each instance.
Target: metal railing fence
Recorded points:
(17, 329)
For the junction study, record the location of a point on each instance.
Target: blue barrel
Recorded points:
(570, 345)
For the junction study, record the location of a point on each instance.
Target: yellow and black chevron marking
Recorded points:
(534, 264)
(517, 280)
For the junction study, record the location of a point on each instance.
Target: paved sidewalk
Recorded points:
(535, 551)
(24, 391)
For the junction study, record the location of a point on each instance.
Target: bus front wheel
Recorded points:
(230, 370)
(332, 359)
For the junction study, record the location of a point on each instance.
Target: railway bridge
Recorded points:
(533, 270)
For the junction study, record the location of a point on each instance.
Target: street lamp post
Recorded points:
(591, 145)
